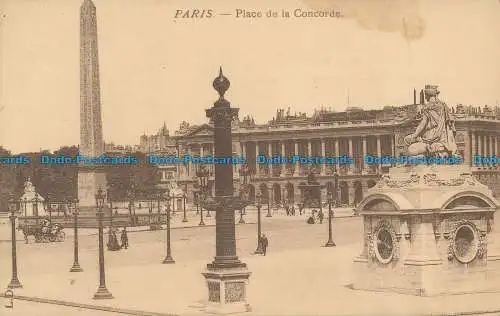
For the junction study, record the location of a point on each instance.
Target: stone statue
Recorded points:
(28, 186)
(435, 135)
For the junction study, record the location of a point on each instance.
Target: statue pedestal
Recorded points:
(227, 290)
(89, 181)
(428, 230)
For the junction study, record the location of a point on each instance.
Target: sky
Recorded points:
(155, 68)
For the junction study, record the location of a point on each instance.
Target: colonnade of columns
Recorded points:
(350, 192)
(354, 147)
(481, 144)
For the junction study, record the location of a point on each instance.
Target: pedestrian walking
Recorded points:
(321, 216)
(264, 243)
(124, 238)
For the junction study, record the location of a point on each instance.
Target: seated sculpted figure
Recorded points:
(435, 135)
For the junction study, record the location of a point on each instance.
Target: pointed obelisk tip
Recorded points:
(220, 72)
(88, 3)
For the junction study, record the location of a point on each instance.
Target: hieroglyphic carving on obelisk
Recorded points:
(90, 178)
(91, 139)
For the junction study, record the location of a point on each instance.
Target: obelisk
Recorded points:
(90, 177)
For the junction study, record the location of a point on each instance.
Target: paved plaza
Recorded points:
(297, 277)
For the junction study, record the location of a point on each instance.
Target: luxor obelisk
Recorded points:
(90, 178)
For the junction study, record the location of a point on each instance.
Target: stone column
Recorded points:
(379, 151)
(283, 154)
(479, 147)
(190, 165)
(363, 155)
(323, 155)
(226, 276)
(492, 147)
(201, 150)
(243, 150)
(270, 154)
(467, 149)
(496, 146)
(296, 170)
(351, 154)
(473, 148)
(337, 151)
(257, 170)
(236, 167)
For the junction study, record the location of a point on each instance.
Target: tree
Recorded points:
(8, 180)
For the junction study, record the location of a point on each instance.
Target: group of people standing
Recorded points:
(113, 244)
(316, 217)
(290, 208)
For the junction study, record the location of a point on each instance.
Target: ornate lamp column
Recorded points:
(269, 190)
(203, 174)
(243, 190)
(258, 204)
(330, 242)
(184, 198)
(73, 206)
(102, 291)
(168, 259)
(226, 276)
(14, 282)
(201, 199)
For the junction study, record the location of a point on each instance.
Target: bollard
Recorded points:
(9, 297)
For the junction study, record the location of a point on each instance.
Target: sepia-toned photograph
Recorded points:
(285, 157)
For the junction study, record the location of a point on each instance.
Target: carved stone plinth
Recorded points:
(428, 230)
(227, 290)
(89, 181)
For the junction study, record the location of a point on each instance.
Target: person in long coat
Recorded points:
(124, 238)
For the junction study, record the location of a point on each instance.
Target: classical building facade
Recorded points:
(354, 133)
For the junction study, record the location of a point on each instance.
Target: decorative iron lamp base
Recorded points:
(102, 294)
(330, 243)
(14, 284)
(76, 268)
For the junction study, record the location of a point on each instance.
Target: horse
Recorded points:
(28, 230)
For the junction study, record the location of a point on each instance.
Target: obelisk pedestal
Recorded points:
(90, 177)
(226, 276)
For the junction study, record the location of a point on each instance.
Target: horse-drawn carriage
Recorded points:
(45, 231)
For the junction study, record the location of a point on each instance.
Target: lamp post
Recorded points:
(195, 197)
(269, 188)
(110, 201)
(203, 174)
(168, 259)
(226, 276)
(131, 203)
(36, 199)
(73, 206)
(102, 291)
(201, 199)
(258, 204)
(244, 174)
(184, 220)
(330, 242)
(48, 206)
(14, 282)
